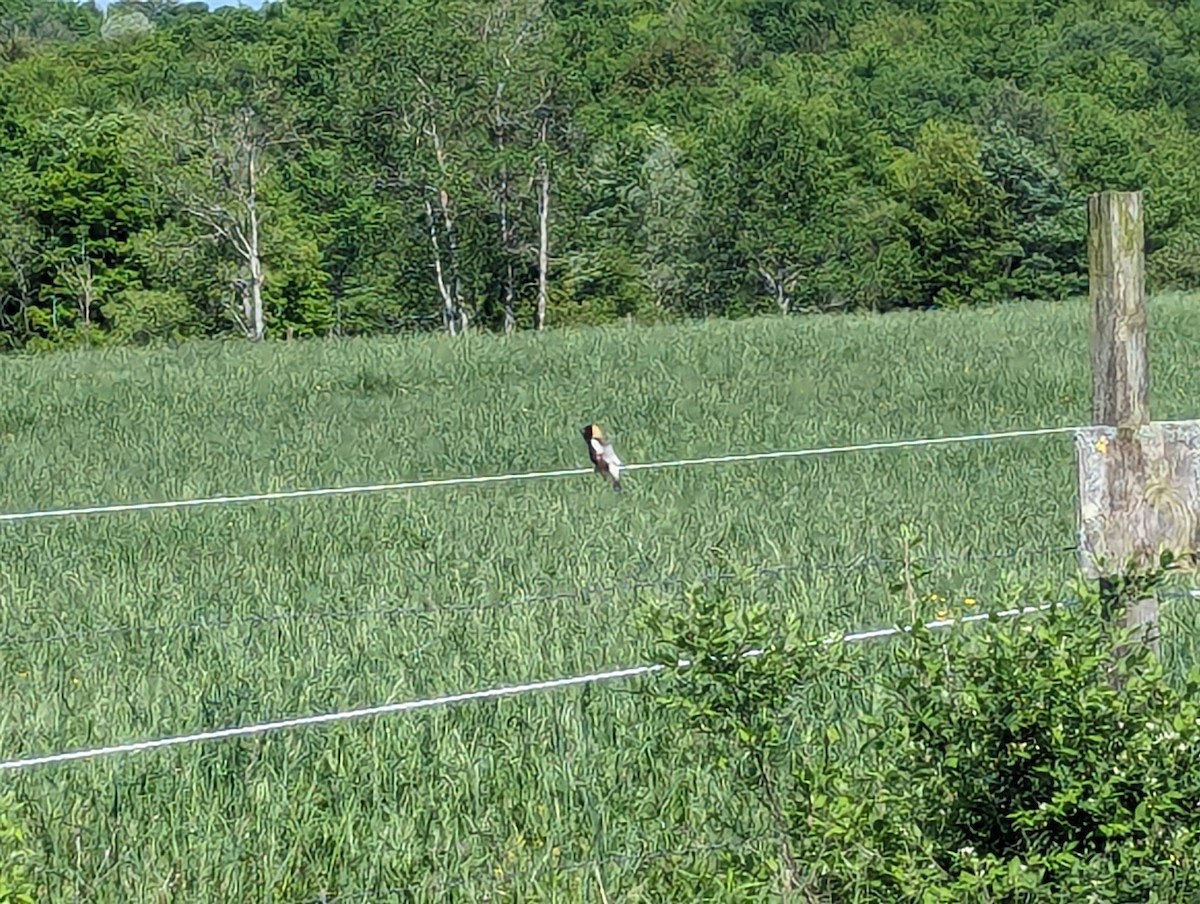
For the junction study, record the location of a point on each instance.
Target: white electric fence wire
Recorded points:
(528, 475)
(432, 702)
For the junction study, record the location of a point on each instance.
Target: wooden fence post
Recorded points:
(1121, 372)
(1139, 481)
(1117, 289)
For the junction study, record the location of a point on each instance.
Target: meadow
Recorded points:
(127, 626)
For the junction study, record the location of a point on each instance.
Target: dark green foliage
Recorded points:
(1041, 247)
(296, 293)
(75, 203)
(706, 159)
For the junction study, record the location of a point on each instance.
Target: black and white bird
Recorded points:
(601, 452)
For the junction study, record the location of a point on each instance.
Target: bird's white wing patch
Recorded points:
(597, 446)
(613, 463)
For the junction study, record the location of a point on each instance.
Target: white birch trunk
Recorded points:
(253, 256)
(449, 315)
(543, 235)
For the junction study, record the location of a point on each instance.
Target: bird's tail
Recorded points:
(617, 485)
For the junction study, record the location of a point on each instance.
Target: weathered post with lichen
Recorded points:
(1139, 481)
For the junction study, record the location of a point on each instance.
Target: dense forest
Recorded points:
(337, 167)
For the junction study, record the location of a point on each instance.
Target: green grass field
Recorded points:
(129, 626)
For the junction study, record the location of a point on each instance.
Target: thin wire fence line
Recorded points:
(526, 476)
(514, 690)
(861, 563)
(327, 718)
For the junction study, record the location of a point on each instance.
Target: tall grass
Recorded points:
(121, 627)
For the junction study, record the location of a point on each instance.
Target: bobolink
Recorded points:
(601, 452)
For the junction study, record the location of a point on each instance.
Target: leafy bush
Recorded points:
(1034, 758)
(739, 694)
(16, 883)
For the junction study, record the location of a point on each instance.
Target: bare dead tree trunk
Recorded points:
(507, 231)
(252, 251)
(87, 288)
(455, 285)
(779, 283)
(454, 312)
(510, 303)
(259, 329)
(229, 208)
(246, 242)
(78, 275)
(543, 231)
(241, 308)
(246, 318)
(82, 280)
(449, 314)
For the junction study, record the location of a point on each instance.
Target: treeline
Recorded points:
(351, 166)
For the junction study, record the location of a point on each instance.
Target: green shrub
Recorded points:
(1020, 766)
(1019, 759)
(16, 884)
